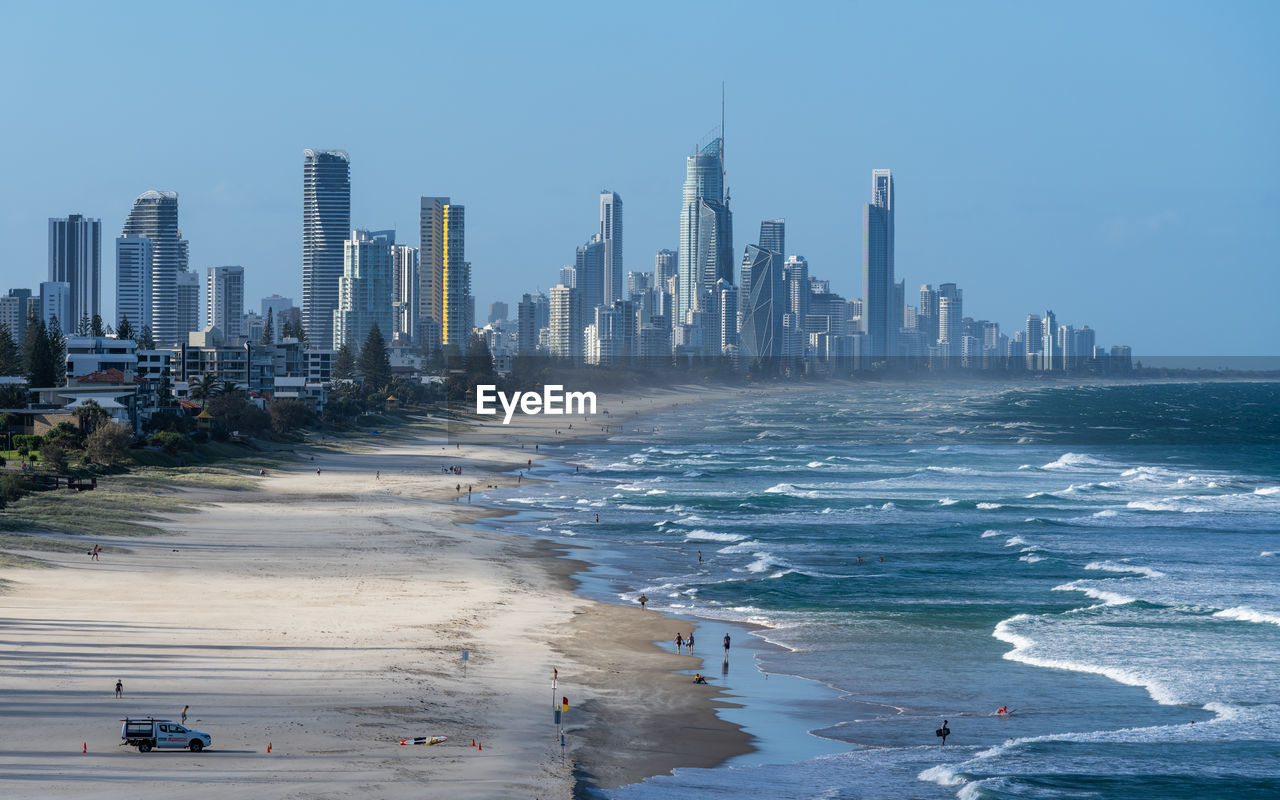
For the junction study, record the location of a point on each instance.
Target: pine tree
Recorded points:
(37, 358)
(95, 326)
(124, 330)
(145, 340)
(344, 364)
(83, 328)
(10, 358)
(375, 362)
(268, 335)
(57, 350)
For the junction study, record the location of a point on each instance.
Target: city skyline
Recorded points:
(1123, 258)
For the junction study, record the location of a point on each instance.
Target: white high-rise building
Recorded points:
(155, 216)
(611, 235)
(365, 289)
(133, 281)
(224, 301)
(55, 304)
(566, 335)
(404, 291)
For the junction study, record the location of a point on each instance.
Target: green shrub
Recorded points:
(170, 442)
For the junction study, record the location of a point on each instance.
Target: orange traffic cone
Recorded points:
(268, 747)
(480, 746)
(473, 742)
(84, 748)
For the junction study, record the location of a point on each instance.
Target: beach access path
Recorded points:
(325, 616)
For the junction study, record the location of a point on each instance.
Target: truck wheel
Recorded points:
(144, 747)
(196, 745)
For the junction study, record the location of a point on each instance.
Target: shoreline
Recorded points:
(325, 614)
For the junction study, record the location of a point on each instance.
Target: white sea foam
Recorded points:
(1246, 614)
(1108, 512)
(712, 536)
(990, 506)
(987, 534)
(1170, 504)
(1268, 490)
(765, 561)
(1024, 652)
(1016, 541)
(1107, 598)
(1111, 566)
(656, 491)
(942, 775)
(1030, 558)
(947, 501)
(1266, 553)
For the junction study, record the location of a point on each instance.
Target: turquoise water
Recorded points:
(1102, 560)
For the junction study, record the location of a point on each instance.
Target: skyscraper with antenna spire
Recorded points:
(706, 228)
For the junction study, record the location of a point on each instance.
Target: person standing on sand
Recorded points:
(119, 689)
(689, 642)
(643, 600)
(184, 714)
(679, 642)
(726, 645)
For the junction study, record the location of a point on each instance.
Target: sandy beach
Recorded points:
(326, 615)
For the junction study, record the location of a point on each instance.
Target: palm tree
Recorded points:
(204, 387)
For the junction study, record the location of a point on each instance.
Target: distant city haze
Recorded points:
(1114, 163)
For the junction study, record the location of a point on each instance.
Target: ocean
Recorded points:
(1101, 559)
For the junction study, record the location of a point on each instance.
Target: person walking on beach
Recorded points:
(119, 689)
(96, 550)
(726, 646)
(184, 714)
(679, 642)
(643, 600)
(689, 642)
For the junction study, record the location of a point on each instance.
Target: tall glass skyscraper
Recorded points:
(706, 228)
(224, 301)
(878, 317)
(326, 224)
(773, 236)
(155, 217)
(365, 289)
(75, 258)
(611, 235)
(762, 306)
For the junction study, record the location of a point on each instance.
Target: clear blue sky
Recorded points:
(1116, 162)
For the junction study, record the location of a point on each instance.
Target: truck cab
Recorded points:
(162, 734)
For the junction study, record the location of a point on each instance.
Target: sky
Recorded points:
(1114, 162)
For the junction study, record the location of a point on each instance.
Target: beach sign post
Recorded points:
(466, 656)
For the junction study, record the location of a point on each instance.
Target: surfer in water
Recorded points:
(944, 732)
(1003, 711)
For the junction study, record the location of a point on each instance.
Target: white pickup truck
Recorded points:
(162, 733)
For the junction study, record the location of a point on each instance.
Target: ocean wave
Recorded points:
(954, 470)
(1246, 614)
(1111, 566)
(947, 501)
(941, 775)
(1016, 541)
(1107, 598)
(1076, 461)
(1268, 490)
(987, 534)
(1169, 504)
(1266, 553)
(990, 506)
(765, 561)
(712, 536)
(1030, 558)
(1108, 512)
(1023, 653)
(656, 491)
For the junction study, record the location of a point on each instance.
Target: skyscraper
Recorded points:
(133, 281)
(406, 283)
(589, 266)
(224, 301)
(773, 236)
(665, 265)
(761, 335)
(155, 217)
(445, 302)
(365, 289)
(188, 304)
(55, 304)
(326, 223)
(878, 317)
(706, 228)
(498, 311)
(611, 237)
(271, 309)
(565, 337)
(75, 258)
(526, 327)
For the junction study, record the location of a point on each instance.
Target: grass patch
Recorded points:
(14, 560)
(26, 541)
